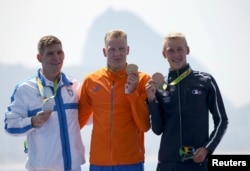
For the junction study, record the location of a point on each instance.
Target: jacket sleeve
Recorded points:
(138, 105)
(220, 119)
(84, 106)
(17, 122)
(157, 122)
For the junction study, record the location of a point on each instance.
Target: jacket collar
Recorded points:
(45, 82)
(115, 75)
(175, 73)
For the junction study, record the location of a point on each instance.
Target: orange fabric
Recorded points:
(119, 119)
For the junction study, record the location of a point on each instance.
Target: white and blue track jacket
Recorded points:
(56, 145)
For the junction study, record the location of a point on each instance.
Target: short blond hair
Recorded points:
(46, 41)
(115, 34)
(173, 35)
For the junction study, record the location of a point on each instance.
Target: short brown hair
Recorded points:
(46, 41)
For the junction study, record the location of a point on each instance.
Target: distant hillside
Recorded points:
(143, 52)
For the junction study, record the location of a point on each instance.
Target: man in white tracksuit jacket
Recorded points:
(45, 109)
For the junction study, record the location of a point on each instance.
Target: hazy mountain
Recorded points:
(146, 55)
(145, 43)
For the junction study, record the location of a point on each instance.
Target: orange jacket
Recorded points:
(119, 119)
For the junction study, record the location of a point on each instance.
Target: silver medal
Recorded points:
(47, 106)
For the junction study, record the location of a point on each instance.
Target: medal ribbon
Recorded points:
(42, 92)
(177, 80)
(181, 77)
(45, 99)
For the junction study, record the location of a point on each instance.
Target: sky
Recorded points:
(218, 32)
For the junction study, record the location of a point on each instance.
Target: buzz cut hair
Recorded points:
(174, 35)
(115, 34)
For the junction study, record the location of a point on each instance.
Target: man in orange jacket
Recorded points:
(115, 97)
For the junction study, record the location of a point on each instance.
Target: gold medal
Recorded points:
(130, 69)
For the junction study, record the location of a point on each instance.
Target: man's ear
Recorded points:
(104, 52)
(188, 50)
(128, 50)
(163, 54)
(39, 57)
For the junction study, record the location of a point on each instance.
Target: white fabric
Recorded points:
(61, 131)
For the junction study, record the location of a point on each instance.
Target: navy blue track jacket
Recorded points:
(181, 114)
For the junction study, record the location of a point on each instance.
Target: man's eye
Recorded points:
(59, 52)
(50, 54)
(180, 50)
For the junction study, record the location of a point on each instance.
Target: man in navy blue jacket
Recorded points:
(179, 108)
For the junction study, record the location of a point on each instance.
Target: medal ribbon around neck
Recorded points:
(42, 92)
(181, 77)
(45, 99)
(177, 80)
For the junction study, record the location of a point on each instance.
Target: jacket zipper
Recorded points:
(179, 106)
(111, 119)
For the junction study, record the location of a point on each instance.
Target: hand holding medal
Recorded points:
(42, 116)
(158, 78)
(47, 106)
(130, 70)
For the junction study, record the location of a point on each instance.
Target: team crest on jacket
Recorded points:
(96, 88)
(196, 92)
(70, 91)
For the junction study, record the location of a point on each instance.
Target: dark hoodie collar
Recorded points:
(175, 73)
(179, 71)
